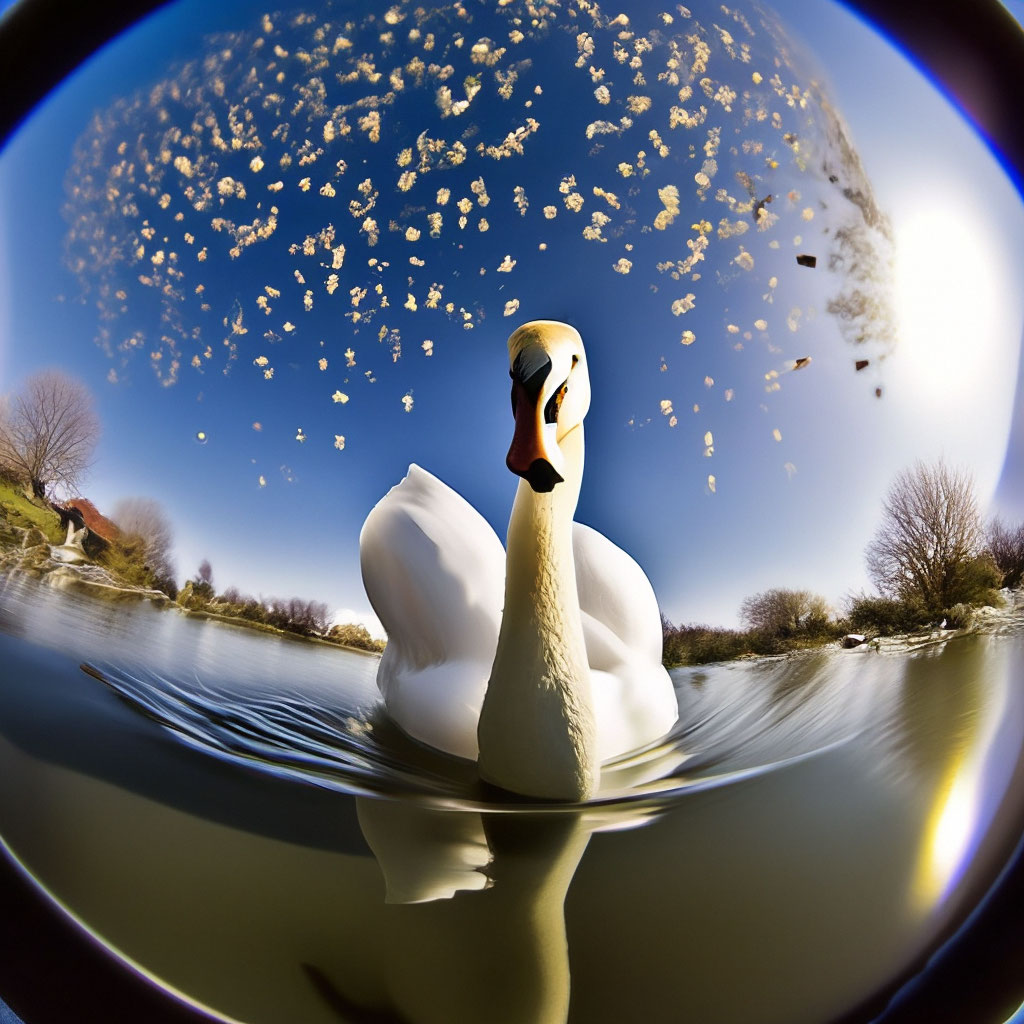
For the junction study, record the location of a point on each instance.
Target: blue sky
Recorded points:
(1016, 8)
(276, 515)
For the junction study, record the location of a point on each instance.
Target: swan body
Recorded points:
(539, 662)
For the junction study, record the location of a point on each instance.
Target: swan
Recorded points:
(540, 662)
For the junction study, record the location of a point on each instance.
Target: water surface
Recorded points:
(230, 812)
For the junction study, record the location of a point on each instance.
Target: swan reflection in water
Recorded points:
(821, 823)
(475, 917)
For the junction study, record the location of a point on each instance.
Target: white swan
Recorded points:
(570, 675)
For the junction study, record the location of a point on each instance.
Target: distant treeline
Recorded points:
(137, 554)
(292, 615)
(932, 559)
(774, 621)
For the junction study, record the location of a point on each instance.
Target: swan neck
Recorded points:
(548, 516)
(536, 731)
(540, 575)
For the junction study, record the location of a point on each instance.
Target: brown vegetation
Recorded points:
(785, 613)
(1006, 547)
(291, 615)
(350, 635)
(776, 621)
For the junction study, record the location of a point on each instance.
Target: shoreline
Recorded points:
(32, 558)
(990, 620)
(263, 627)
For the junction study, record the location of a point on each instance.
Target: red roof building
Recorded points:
(98, 524)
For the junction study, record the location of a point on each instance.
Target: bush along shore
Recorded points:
(871, 623)
(32, 538)
(937, 567)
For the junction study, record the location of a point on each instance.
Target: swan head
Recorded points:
(550, 397)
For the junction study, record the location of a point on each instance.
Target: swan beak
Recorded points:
(534, 452)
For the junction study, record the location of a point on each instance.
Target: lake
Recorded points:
(229, 812)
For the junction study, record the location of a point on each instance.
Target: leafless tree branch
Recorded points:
(928, 544)
(1006, 546)
(145, 519)
(48, 432)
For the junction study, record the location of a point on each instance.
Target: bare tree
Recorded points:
(928, 548)
(48, 432)
(306, 617)
(319, 617)
(202, 582)
(1006, 546)
(145, 520)
(779, 612)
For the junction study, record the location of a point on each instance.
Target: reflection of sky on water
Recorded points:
(797, 472)
(801, 885)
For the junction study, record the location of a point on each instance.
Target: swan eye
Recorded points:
(531, 384)
(555, 403)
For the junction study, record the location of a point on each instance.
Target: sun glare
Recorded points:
(958, 315)
(947, 295)
(948, 837)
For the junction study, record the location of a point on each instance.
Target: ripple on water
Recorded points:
(293, 734)
(861, 856)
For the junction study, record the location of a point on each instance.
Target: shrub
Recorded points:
(979, 581)
(786, 613)
(202, 592)
(705, 644)
(698, 644)
(960, 616)
(252, 610)
(351, 635)
(885, 615)
(1006, 547)
(125, 558)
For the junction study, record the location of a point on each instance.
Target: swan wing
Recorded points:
(616, 592)
(434, 572)
(634, 699)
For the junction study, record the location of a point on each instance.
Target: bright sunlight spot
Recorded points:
(947, 838)
(947, 301)
(958, 323)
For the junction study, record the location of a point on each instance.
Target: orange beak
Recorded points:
(528, 455)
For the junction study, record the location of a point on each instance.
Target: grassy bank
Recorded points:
(20, 512)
